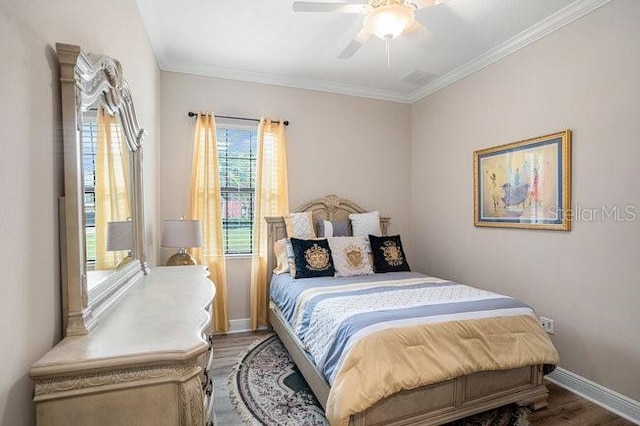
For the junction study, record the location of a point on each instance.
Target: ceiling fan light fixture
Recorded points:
(389, 21)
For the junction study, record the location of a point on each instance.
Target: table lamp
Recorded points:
(120, 237)
(182, 234)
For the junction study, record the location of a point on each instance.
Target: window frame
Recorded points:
(225, 190)
(89, 139)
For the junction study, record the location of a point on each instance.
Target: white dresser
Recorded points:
(147, 362)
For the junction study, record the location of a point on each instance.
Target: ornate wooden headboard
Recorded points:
(330, 207)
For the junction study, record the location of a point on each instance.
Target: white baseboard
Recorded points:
(598, 394)
(239, 325)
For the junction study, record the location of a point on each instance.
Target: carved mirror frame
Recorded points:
(84, 80)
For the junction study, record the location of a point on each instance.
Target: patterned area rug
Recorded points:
(266, 388)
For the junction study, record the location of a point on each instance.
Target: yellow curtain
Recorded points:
(272, 199)
(112, 180)
(206, 207)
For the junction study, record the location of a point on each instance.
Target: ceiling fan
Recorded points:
(386, 19)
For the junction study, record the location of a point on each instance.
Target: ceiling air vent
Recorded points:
(418, 77)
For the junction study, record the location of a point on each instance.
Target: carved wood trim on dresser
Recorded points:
(146, 363)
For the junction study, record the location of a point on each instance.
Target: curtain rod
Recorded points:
(194, 114)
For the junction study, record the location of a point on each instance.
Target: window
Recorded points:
(89, 143)
(237, 162)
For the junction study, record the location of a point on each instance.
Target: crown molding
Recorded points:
(563, 17)
(552, 23)
(308, 84)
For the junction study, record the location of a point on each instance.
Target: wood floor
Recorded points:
(564, 407)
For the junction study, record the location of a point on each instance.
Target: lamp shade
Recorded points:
(389, 21)
(181, 233)
(119, 235)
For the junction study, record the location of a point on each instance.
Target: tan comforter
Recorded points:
(396, 359)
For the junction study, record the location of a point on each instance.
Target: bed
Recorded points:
(433, 402)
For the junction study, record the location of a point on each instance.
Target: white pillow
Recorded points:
(364, 224)
(350, 256)
(285, 260)
(300, 225)
(282, 258)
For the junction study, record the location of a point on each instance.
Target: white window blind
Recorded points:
(89, 143)
(237, 163)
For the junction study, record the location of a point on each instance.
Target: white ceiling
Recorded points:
(266, 41)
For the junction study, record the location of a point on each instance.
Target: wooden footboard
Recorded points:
(428, 405)
(458, 398)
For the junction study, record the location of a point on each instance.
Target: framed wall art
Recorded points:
(524, 184)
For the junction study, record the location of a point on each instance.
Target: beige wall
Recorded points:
(353, 147)
(31, 166)
(583, 77)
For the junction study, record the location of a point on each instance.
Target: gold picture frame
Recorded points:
(525, 184)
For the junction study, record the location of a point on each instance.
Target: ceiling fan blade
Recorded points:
(308, 6)
(419, 34)
(355, 44)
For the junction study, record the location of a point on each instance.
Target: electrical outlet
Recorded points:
(547, 324)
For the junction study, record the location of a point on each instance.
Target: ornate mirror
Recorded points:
(101, 212)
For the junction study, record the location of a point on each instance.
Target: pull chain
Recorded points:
(388, 50)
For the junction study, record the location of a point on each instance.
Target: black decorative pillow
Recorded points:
(312, 258)
(388, 255)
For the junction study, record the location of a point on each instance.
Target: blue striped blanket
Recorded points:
(330, 314)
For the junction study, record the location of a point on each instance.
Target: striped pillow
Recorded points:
(327, 228)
